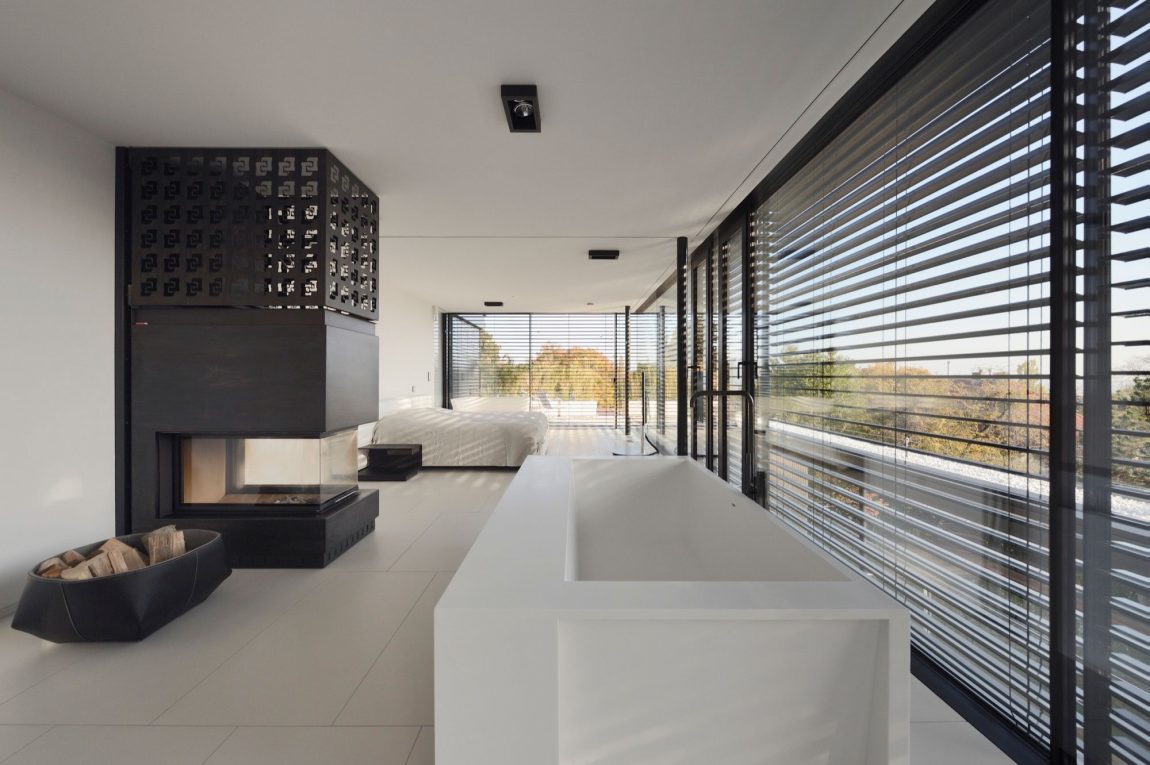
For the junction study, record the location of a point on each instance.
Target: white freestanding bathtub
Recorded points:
(641, 611)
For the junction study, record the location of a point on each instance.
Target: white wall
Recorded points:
(409, 358)
(57, 252)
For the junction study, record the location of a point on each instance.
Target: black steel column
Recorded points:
(681, 346)
(445, 356)
(1063, 393)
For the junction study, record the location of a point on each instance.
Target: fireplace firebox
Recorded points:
(302, 474)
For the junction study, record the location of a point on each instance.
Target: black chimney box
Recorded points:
(252, 353)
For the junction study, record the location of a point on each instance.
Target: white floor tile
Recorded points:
(13, 738)
(462, 491)
(303, 668)
(424, 751)
(280, 652)
(119, 745)
(398, 689)
(926, 707)
(444, 545)
(308, 746)
(395, 531)
(952, 743)
(26, 660)
(183, 653)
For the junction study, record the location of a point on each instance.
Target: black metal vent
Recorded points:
(603, 254)
(282, 228)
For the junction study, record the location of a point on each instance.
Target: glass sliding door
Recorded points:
(660, 367)
(949, 325)
(903, 341)
(1112, 421)
(732, 366)
(699, 351)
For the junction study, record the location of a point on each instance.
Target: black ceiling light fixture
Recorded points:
(521, 105)
(493, 303)
(603, 254)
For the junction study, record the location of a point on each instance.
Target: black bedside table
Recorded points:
(391, 462)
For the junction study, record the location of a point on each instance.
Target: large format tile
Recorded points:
(395, 531)
(952, 743)
(13, 738)
(304, 667)
(424, 751)
(444, 545)
(136, 681)
(26, 660)
(398, 689)
(927, 707)
(307, 746)
(121, 745)
(444, 491)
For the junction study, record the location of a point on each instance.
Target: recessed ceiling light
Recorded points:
(493, 303)
(521, 106)
(603, 254)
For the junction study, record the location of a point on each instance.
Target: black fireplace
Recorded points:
(251, 352)
(275, 473)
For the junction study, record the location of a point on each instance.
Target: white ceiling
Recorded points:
(658, 115)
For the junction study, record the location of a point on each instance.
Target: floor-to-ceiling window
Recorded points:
(1112, 389)
(905, 352)
(949, 297)
(566, 366)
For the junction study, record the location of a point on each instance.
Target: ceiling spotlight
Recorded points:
(521, 107)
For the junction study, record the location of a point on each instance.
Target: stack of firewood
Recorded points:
(115, 557)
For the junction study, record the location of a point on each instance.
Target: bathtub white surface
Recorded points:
(635, 611)
(656, 520)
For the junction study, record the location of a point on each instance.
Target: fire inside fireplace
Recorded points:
(267, 473)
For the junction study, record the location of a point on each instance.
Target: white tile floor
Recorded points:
(290, 667)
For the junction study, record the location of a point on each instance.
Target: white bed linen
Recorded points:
(452, 438)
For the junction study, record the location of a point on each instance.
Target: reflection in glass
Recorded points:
(267, 471)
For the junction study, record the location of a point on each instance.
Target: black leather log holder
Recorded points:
(126, 606)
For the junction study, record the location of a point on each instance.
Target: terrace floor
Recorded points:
(301, 666)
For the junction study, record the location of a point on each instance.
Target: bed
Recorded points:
(453, 438)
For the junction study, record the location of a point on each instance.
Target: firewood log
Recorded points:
(164, 544)
(72, 558)
(99, 565)
(115, 544)
(51, 568)
(76, 572)
(127, 559)
(51, 563)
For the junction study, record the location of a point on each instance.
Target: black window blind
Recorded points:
(902, 332)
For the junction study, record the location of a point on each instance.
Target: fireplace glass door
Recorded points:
(267, 472)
